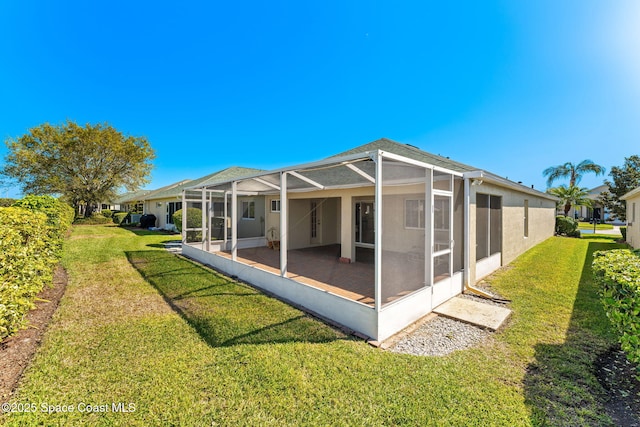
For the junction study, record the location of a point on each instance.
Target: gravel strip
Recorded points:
(440, 337)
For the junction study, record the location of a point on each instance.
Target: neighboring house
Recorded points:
(373, 238)
(164, 202)
(597, 209)
(633, 217)
(131, 201)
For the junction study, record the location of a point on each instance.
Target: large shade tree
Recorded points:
(86, 165)
(623, 180)
(570, 196)
(572, 171)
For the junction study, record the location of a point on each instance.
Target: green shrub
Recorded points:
(59, 214)
(31, 235)
(96, 218)
(119, 217)
(27, 260)
(194, 220)
(623, 231)
(107, 213)
(59, 217)
(5, 203)
(618, 274)
(567, 226)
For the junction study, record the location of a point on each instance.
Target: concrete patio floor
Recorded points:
(317, 267)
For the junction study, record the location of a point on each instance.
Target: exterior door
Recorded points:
(365, 222)
(442, 256)
(315, 216)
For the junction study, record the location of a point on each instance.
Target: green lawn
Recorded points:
(585, 225)
(186, 346)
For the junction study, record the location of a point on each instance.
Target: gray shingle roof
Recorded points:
(175, 190)
(411, 152)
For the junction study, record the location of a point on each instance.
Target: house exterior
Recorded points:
(633, 217)
(406, 230)
(597, 209)
(131, 201)
(165, 201)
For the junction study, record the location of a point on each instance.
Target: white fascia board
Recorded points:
(630, 194)
(503, 182)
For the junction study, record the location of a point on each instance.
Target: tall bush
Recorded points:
(618, 274)
(31, 235)
(119, 217)
(194, 220)
(27, 260)
(567, 226)
(623, 231)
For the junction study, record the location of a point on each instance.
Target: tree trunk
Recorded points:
(567, 208)
(88, 210)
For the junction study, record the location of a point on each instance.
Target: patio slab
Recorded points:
(476, 313)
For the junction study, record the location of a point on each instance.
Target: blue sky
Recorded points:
(507, 86)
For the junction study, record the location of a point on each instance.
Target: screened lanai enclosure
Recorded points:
(372, 241)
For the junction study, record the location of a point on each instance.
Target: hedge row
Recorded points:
(31, 238)
(618, 274)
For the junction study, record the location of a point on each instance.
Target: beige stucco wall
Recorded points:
(514, 243)
(633, 223)
(158, 207)
(334, 227)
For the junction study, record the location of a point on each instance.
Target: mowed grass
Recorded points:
(584, 225)
(182, 345)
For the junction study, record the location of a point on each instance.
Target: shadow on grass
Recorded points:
(162, 244)
(222, 311)
(145, 232)
(561, 385)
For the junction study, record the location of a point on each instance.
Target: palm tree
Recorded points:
(574, 172)
(570, 196)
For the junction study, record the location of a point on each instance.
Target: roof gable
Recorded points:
(410, 152)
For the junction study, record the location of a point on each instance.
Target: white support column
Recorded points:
(225, 225)
(184, 217)
(203, 200)
(346, 228)
(209, 215)
(467, 222)
(378, 233)
(234, 221)
(284, 230)
(428, 230)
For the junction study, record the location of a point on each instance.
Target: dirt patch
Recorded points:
(618, 376)
(17, 351)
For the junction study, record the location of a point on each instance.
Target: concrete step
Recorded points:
(476, 313)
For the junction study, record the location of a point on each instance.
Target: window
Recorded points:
(526, 218)
(275, 205)
(172, 207)
(249, 210)
(414, 213)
